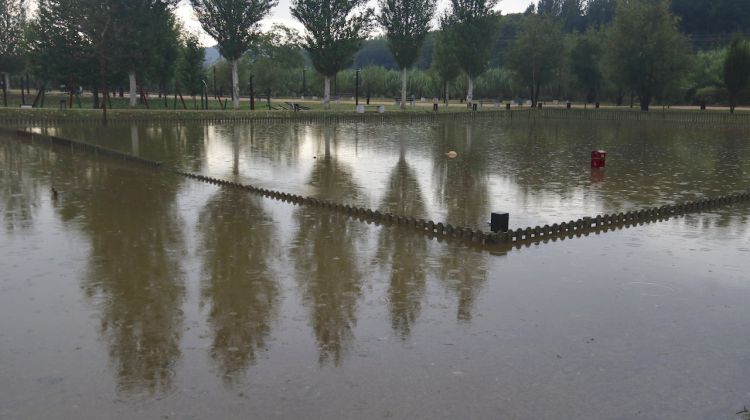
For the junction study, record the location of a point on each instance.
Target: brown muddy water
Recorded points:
(139, 294)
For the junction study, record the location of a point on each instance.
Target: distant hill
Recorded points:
(212, 56)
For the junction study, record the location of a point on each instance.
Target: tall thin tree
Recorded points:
(335, 30)
(472, 23)
(406, 23)
(234, 24)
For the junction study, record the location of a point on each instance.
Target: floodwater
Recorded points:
(138, 294)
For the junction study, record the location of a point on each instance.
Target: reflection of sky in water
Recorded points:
(139, 294)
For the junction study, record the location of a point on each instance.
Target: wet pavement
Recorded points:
(133, 293)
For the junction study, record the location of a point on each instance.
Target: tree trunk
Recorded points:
(445, 91)
(96, 97)
(235, 86)
(732, 102)
(470, 91)
(645, 102)
(531, 94)
(403, 88)
(326, 92)
(133, 90)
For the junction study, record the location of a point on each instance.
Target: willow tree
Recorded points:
(335, 30)
(737, 70)
(234, 24)
(406, 23)
(473, 25)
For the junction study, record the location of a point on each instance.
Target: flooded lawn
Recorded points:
(138, 294)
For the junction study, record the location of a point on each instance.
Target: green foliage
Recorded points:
(585, 58)
(473, 25)
(600, 13)
(537, 54)
(234, 24)
(277, 61)
(372, 80)
(646, 51)
(335, 30)
(737, 69)
(190, 65)
(406, 23)
(705, 80)
(12, 25)
(701, 17)
(444, 60)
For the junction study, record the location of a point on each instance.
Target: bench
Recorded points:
(410, 100)
(361, 109)
(294, 106)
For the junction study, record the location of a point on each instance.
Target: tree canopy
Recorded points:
(646, 48)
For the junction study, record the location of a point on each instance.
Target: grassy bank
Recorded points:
(344, 111)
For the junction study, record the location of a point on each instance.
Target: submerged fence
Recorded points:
(493, 240)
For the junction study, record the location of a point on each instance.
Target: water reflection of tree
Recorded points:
(461, 183)
(462, 189)
(403, 253)
(20, 181)
(237, 245)
(325, 255)
(134, 269)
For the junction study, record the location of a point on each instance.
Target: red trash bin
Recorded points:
(598, 158)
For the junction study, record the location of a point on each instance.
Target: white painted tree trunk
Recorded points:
(403, 88)
(470, 91)
(134, 141)
(235, 86)
(133, 88)
(327, 92)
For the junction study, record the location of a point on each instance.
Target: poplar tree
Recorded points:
(473, 25)
(235, 25)
(737, 70)
(335, 30)
(406, 23)
(143, 29)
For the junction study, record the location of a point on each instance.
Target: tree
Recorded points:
(276, 60)
(600, 13)
(373, 81)
(473, 25)
(335, 30)
(190, 64)
(737, 69)
(646, 48)
(406, 23)
(709, 18)
(586, 58)
(234, 24)
(137, 49)
(537, 53)
(444, 61)
(57, 49)
(12, 24)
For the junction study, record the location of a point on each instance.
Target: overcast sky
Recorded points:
(280, 14)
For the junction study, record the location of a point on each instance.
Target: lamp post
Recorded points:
(356, 88)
